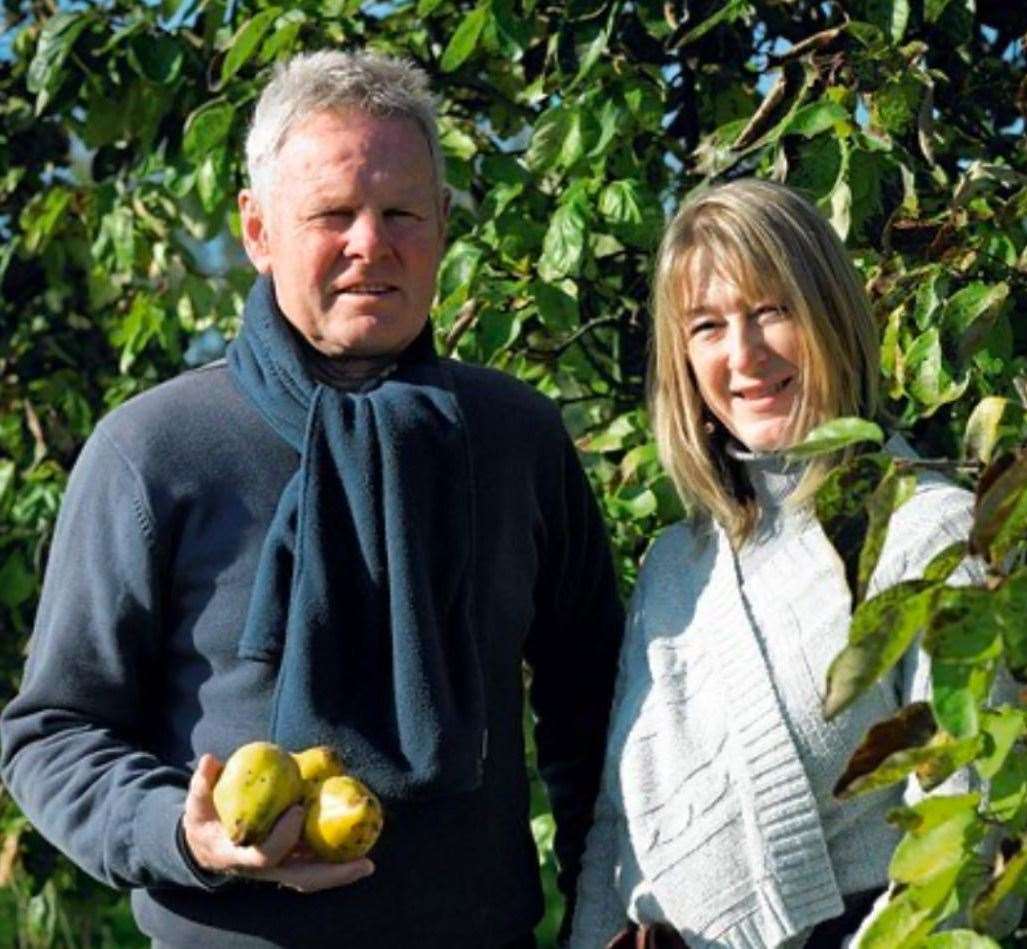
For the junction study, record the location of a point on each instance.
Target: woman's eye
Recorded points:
(702, 328)
(771, 312)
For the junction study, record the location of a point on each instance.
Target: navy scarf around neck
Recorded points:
(364, 591)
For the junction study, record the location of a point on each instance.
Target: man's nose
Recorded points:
(746, 347)
(366, 236)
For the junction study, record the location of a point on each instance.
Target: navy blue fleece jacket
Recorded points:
(133, 672)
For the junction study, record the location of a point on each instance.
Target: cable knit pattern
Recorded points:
(716, 813)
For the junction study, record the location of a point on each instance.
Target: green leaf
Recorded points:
(206, 128)
(1007, 792)
(817, 117)
(564, 243)
(8, 471)
(557, 308)
(964, 625)
(882, 629)
(1000, 728)
(464, 41)
(42, 217)
(246, 40)
(496, 330)
(634, 213)
(941, 832)
(728, 13)
(959, 939)
(895, 489)
(835, 435)
(56, 40)
(911, 914)
(945, 561)
(560, 138)
(156, 57)
(1000, 517)
(1013, 618)
(928, 380)
(957, 691)
(962, 318)
(17, 582)
(458, 269)
(1001, 886)
(427, 7)
(933, 9)
(594, 47)
(840, 505)
(982, 428)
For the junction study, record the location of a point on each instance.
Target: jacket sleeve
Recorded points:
(572, 650)
(74, 746)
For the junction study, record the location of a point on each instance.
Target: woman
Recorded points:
(716, 815)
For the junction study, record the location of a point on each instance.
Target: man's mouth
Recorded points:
(367, 289)
(763, 391)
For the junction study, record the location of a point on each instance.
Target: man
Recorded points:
(332, 537)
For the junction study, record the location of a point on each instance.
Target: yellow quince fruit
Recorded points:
(344, 819)
(258, 783)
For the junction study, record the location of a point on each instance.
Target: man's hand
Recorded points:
(281, 857)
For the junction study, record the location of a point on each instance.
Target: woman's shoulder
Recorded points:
(936, 496)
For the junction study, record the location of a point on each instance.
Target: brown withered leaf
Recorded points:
(912, 727)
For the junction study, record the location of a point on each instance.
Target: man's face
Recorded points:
(353, 232)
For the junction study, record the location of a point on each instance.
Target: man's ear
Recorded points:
(253, 223)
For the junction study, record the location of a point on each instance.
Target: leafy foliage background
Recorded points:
(571, 130)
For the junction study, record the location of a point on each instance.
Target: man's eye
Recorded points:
(401, 213)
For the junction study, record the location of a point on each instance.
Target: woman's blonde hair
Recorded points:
(769, 242)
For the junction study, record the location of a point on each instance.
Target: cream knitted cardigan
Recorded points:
(715, 813)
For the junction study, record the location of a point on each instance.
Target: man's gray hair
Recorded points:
(332, 81)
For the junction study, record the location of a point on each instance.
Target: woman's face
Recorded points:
(745, 355)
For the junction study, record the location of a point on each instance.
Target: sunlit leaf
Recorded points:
(982, 428)
(941, 832)
(246, 40)
(943, 563)
(1000, 728)
(564, 244)
(837, 434)
(957, 691)
(911, 914)
(206, 128)
(730, 11)
(817, 117)
(464, 41)
(56, 40)
(882, 629)
(969, 314)
(959, 939)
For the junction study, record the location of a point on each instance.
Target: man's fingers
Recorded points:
(311, 877)
(283, 837)
(199, 804)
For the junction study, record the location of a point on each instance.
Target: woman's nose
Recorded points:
(746, 348)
